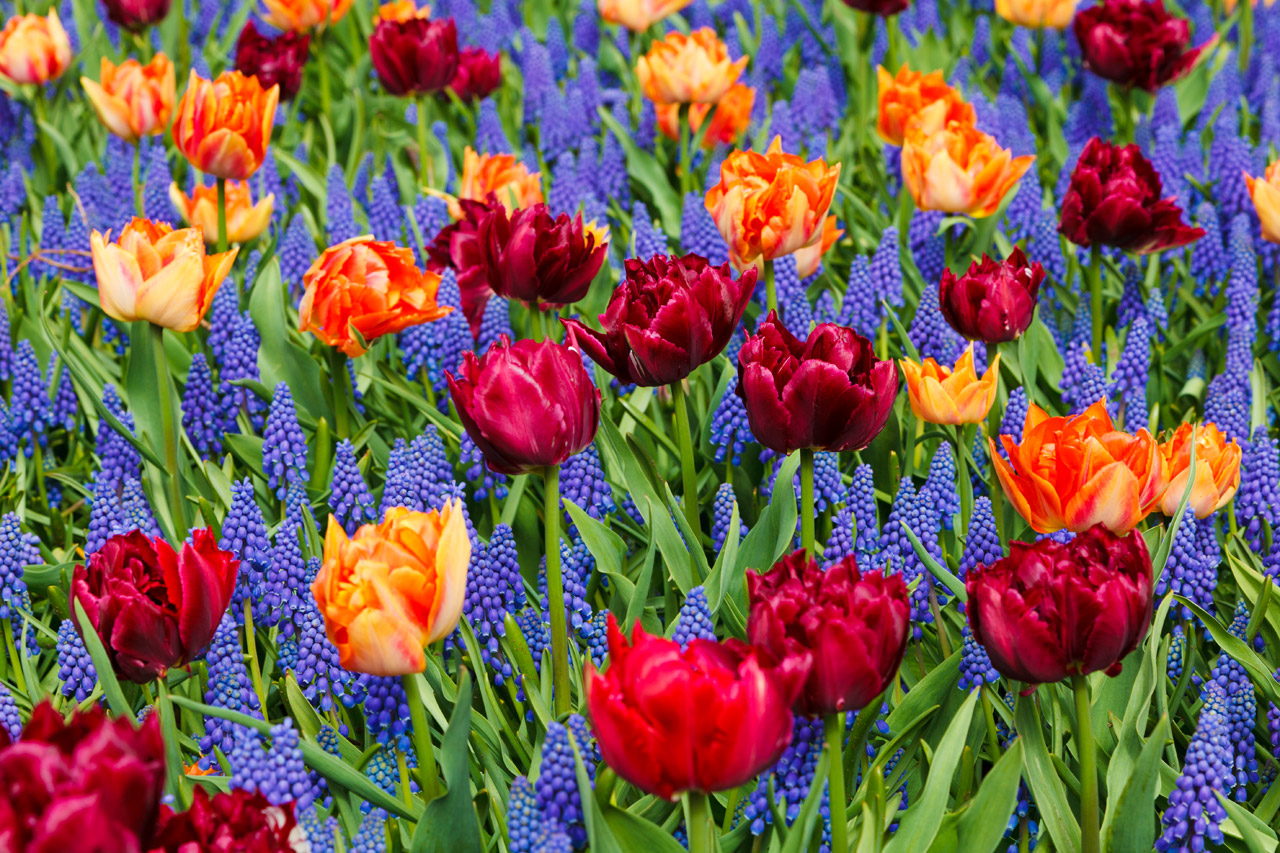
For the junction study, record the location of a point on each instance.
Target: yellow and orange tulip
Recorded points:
(638, 15)
(730, 120)
(393, 588)
(303, 15)
(688, 69)
(808, 258)
(501, 174)
(951, 395)
(1217, 470)
(34, 49)
(1265, 192)
(245, 220)
(1037, 14)
(1075, 472)
(154, 273)
(769, 205)
(959, 169)
(133, 100)
(223, 126)
(401, 10)
(915, 98)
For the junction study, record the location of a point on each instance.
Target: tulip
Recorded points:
(369, 286)
(136, 15)
(223, 126)
(500, 174)
(234, 820)
(959, 169)
(808, 258)
(87, 783)
(1217, 470)
(133, 100)
(638, 15)
(730, 120)
(154, 273)
(401, 10)
(828, 392)
(526, 405)
(479, 74)
(34, 49)
(154, 608)
(415, 56)
(1265, 192)
(943, 395)
(1136, 43)
(883, 8)
(275, 61)
(767, 206)
(1037, 14)
(706, 718)
(668, 317)
(1078, 471)
(688, 69)
(913, 96)
(245, 220)
(393, 588)
(303, 15)
(994, 301)
(1115, 199)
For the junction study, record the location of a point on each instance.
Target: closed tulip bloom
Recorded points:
(959, 169)
(905, 97)
(415, 56)
(944, 395)
(136, 15)
(730, 120)
(393, 588)
(303, 15)
(479, 74)
(370, 286)
(1265, 192)
(234, 821)
(882, 8)
(688, 69)
(1136, 43)
(500, 174)
(275, 61)
(638, 15)
(1037, 14)
(767, 206)
(705, 718)
(852, 626)
(133, 100)
(1051, 610)
(1075, 472)
(995, 300)
(669, 316)
(828, 392)
(154, 273)
(527, 405)
(1115, 199)
(245, 220)
(808, 258)
(34, 49)
(1217, 470)
(223, 126)
(154, 608)
(401, 10)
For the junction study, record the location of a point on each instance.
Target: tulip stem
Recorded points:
(555, 590)
(771, 291)
(993, 734)
(833, 728)
(688, 465)
(317, 44)
(222, 214)
(422, 746)
(682, 119)
(171, 472)
(19, 679)
(806, 504)
(1089, 841)
(251, 643)
(1095, 298)
(964, 441)
(697, 822)
(341, 380)
(424, 159)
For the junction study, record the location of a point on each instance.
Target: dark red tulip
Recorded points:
(1050, 610)
(668, 316)
(527, 255)
(883, 8)
(151, 607)
(852, 626)
(136, 15)
(706, 718)
(89, 783)
(479, 74)
(526, 405)
(414, 56)
(828, 392)
(1115, 199)
(274, 61)
(1136, 43)
(994, 301)
(229, 822)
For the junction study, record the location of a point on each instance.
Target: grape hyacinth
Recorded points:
(694, 619)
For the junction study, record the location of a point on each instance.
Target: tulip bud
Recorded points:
(992, 302)
(942, 395)
(223, 126)
(133, 100)
(415, 56)
(34, 49)
(275, 61)
(1217, 470)
(479, 74)
(688, 69)
(1136, 43)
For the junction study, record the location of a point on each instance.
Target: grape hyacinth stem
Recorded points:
(806, 503)
(555, 590)
(688, 464)
(697, 820)
(833, 729)
(428, 776)
(1089, 841)
(172, 474)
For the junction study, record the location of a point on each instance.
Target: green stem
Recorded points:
(1095, 299)
(555, 590)
(428, 776)
(251, 643)
(1089, 841)
(806, 504)
(171, 473)
(19, 679)
(862, 723)
(697, 821)
(173, 765)
(833, 728)
(46, 143)
(342, 394)
(997, 495)
(682, 118)
(317, 45)
(688, 464)
(222, 214)
(964, 441)
(771, 291)
(424, 159)
(1245, 46)
(993, 734)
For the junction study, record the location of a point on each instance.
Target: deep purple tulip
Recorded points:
(414, 56)
(235, 821)
(136, 15)
(995, 300)
(274, 61)
(1136, 43)
(479, 74)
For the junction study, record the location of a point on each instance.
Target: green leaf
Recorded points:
(636, 833)
(101, 663)
(1046, 786)
(448, 824)
(1131, 816)
(1258, 670)
(944, 576)
(605, 546)
(770, 537)
(930, 691)
(280, 357)
(983, 823)
(649, 175)
(1256, 835)
(806, 821)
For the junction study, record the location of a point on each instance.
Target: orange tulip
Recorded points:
(731, 117)
(34, 49)
(302, 15)
(1217, 470)
(913, 96)
(245, 220)
(393, 588)
(945, 395)
(1075, 472)
(223, 126)
(688, 69)
(155, 273)
(808, 258)
(371, 286)
(1037, 14)
(502, 174)
(133, 100)
(769, 205)
(401, 10)
(1265, 192)
(638, 15)
(959, 169)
